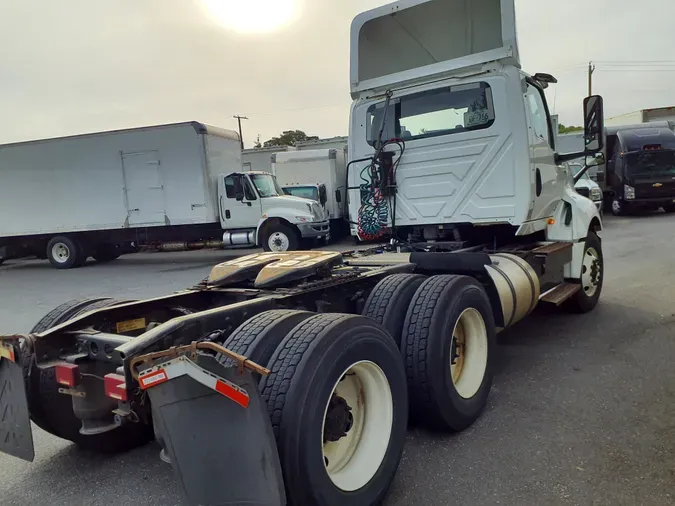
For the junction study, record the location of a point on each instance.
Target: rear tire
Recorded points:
(65, 253)
(388, 303)
(53, 412)
(106, 253)
(338, 404)
(447, 347)
(259, 337)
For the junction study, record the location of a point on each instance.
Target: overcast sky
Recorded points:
(74, 66)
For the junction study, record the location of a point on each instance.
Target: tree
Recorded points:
(289, 138)
(257, 144)
(562, 129)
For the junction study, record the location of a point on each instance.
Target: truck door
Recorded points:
(238, 213)
(143, 188)
(542, 154)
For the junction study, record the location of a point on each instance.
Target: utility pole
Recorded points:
(591, 69)
(241, 137)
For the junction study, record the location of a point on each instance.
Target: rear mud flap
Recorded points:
(222, 453)
(16, 436)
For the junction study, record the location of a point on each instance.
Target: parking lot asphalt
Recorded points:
(582, 411)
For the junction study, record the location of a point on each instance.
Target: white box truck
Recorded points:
(177, 185)
(318, 174)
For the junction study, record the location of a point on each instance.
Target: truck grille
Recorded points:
(584, 192)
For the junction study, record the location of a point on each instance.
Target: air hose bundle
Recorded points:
(377, 188)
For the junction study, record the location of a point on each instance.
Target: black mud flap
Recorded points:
(222, 453)
(16, 436)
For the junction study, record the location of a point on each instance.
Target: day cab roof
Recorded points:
(646, 137)
(409, 40)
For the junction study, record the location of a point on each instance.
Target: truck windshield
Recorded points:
(651, 163)
(266, 185)
(576, 168)
(433, 113)
(306, 192)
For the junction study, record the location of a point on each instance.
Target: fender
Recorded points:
(280, 213)
(573, 218)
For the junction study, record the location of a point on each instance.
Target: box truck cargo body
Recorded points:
(101, 194)
(319, 174)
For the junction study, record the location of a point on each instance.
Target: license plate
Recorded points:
(16, 435)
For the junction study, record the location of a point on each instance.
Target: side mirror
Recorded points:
(238, 188)
(323, 197)
(594, 124)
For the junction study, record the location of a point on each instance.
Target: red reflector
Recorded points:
(67, 375)
(115, 386)
(231, 393)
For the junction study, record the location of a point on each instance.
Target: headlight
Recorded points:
(628, 192)
(596, 194)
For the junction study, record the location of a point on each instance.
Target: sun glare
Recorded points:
(252, 16)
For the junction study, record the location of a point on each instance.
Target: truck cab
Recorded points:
(641, 167)
(254, 210)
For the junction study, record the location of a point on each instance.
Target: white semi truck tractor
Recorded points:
(290, 377)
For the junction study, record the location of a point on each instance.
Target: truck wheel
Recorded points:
(338, 404)
(106, 252)
(64, 253)
(592, 276)
(53, 412)
(619, 207)
(388, 303)
(278, 238)
(258, 338)
(447, 346)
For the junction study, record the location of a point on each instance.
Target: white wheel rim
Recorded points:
(469, 353)
(353, 460)
(590, 272)
(616, 206)
(278, 241)
(60, 252)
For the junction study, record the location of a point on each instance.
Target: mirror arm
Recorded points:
(581, 173)
(569, 156)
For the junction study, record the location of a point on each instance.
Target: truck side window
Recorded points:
(538, 114)
(229, 187)
(249, 192)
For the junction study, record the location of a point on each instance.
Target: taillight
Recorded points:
(67, 375)
(115, 386)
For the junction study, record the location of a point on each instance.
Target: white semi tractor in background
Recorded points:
(318, 174)
(177, 186)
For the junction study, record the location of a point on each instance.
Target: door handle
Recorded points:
(132, 210)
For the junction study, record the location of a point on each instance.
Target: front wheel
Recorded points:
(338, 404)
(279, 238)
(619, 207)
(592, 275)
